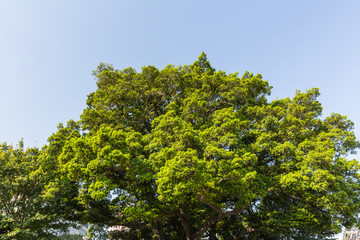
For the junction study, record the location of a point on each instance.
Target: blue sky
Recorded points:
(48, 50)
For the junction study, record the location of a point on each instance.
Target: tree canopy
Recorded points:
(189, 152)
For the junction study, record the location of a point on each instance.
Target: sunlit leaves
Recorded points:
(191, 152)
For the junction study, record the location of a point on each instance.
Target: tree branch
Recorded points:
(214, 219)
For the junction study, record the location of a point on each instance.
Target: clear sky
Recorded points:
(48, 50)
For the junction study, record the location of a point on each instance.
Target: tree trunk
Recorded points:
(212, 233)
(162, 235)
(187, 226)
(180, 233)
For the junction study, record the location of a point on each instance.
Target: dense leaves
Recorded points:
(24, 214)
(189, 152)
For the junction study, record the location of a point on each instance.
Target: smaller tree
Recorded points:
(23, 212)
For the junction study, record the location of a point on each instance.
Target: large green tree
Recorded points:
(189, 152)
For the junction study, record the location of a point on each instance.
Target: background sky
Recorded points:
(48, 50)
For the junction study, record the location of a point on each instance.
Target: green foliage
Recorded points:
(23, 212)
(70, 237)
(191, 152)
